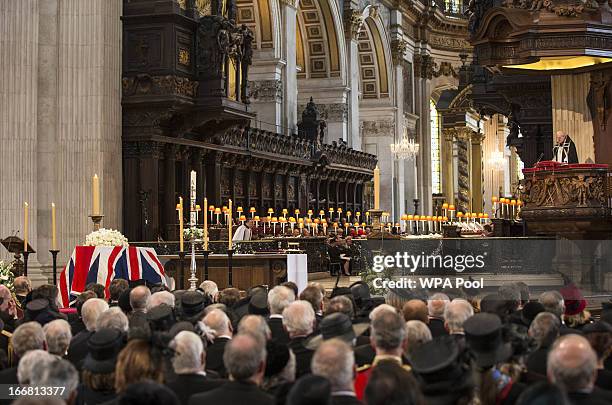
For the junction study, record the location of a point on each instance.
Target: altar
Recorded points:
(248, 269)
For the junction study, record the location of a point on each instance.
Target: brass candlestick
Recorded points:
(54, 253)
(96, 219)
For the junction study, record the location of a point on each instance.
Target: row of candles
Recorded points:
(221, 215)
(506, 208)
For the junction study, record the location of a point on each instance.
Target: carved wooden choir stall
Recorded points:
(186, 107)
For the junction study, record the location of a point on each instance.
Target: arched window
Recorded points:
(434, 117)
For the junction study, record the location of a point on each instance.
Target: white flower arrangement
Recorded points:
(106, 237)
(197, 233)
(6, 274)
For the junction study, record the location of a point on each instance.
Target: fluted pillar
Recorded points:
(476, 172)
(290, 101)
(60, 64)
(448, 169)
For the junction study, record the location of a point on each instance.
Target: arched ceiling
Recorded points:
(374, 60)
(318, 40)
(261, 17)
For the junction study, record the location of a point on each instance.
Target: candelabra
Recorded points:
(96, 219)
(193, 279)
(230, 276)
(54, 253)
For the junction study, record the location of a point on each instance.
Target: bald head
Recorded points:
(139, 298)
(334, 360)
(218, 321)
(560, 136)
(382, 309)
(456, 313)
(245, 358)
(572, 363)
(415, 310)
(255, 325)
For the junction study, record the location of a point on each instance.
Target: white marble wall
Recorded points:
(61, 91)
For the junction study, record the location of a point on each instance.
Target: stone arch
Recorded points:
(374, 57)
(263, 18)
(320, 41)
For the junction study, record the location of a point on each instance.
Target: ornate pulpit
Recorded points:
(572, 201)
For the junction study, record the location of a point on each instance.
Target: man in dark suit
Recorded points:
(245, 361)
(139, 298)
(91, 310)
(188, 363)
(572, 363)
(335, 361)
(28, 336)
(436, 305)
(279, 298)
(220, 324)
(544, 330)
(299, 320)
(455, 314)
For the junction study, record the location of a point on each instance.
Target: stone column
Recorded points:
(62, 120)
(476, 172)
(19, 20)
(290, 96)
(448, 169)
(267, 102)
(423, 73)
(353, 20)
(463, 136)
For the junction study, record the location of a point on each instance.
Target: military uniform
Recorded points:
(364, 372)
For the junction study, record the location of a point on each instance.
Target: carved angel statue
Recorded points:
(582, 189)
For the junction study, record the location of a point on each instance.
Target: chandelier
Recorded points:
(405, 149)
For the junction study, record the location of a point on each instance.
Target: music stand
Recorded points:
(14, 245)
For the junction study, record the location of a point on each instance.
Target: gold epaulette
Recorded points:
(363, 368)
(9, 349)
(407, 367)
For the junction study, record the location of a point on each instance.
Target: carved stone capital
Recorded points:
(266, 90)
(377, 128)
(446, 69)
(290, 3)
(330, 112)
(424, 66)
(398, 50)
(353, 23)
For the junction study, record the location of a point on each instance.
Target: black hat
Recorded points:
(258, 304)
(337, 325)
(483, 334)
(104, 347)
(597, 327)
(310, 390)
(180, 327)
(161, 318)
(192, 304)
(438, 366)
(278, 357)
(530, 311)
(360, 290)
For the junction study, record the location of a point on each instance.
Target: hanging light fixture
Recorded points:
(405, 149)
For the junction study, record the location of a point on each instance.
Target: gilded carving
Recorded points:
(424, 66)
(159, 85)
(184, 58)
